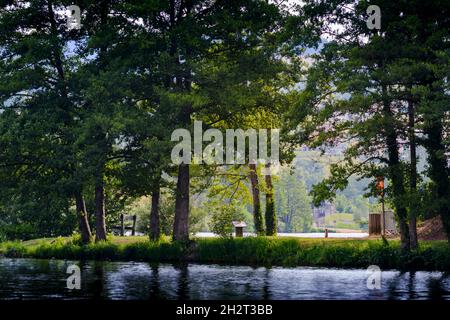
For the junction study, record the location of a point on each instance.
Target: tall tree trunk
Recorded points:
(438, 169)
(182, 83)
(399, 191)
(396, 174)
(154, 215)
(181, 223)
(271, 217)
(100, 223)
(83, 220)
(257, 215)
(412, 178)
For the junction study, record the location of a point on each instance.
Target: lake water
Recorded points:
(46, 279)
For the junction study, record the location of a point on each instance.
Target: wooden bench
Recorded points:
(123, 227)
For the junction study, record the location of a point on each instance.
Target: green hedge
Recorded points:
(264, 251)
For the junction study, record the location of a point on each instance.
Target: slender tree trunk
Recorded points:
(399, 193)
(288, 221)
(412, 178)
(83, 220)
(57, 50)
(396, 175)
(181, 223)
(438, 171)
(271, 217)
(257, 215)
(154, 215)
(100, 224)
(183, 83)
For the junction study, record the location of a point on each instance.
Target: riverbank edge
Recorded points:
(254, 251)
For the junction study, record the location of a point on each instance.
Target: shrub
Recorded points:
(22, 231)
(13, 250)
(250, 251)
(222, 218)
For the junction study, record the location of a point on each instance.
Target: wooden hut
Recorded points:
(239, 228)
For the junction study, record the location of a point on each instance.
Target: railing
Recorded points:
(123, 227)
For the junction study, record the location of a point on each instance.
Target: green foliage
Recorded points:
(23, 231)
(270, 218)
(263, 251)
(293, 204)
(326, 253)
(13, 249)
(341, 220)
(141, 208)
(167, 214)
(222, 217)
(369, 96)
(96, 107)
(61, 248)
(198, 219)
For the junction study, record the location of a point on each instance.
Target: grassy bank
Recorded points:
(264, 251)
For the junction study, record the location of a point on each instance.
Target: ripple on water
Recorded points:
(46, 279)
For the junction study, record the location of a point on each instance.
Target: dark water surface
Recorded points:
(47, 279)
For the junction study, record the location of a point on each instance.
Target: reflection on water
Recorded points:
(46, 279)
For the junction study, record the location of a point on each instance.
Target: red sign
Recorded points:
(380, 185)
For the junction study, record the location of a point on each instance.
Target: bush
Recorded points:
(76, 240)
(18, 232)
(13, 250)
(265, 251)
(222, 219)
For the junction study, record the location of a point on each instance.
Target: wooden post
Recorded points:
(380, 189)
(383, 217)
(374, 223)
(239, 232)
(122, 226)
(133, 231)
(326, 232)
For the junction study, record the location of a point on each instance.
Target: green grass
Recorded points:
(264, 251)
(341, 221)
